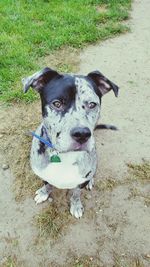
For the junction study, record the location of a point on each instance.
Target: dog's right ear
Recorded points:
(39, 79)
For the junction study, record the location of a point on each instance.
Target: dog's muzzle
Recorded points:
(80, 135)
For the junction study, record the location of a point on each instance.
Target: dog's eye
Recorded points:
(91, 105)
(57, 104)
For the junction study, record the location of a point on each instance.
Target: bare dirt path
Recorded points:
(116, 232)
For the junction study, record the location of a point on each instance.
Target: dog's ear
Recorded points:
(104, 85)
(39, 79)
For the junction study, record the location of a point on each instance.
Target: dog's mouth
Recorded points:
(79, 147)
(74, 146)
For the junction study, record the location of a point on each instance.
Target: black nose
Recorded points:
(81, 135)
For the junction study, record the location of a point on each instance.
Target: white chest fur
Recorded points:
(68, 173)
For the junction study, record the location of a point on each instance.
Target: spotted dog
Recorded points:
(70, 110)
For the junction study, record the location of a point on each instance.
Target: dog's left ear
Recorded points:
(104, 85)
(39, 79)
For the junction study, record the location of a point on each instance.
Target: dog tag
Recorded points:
(55, 158)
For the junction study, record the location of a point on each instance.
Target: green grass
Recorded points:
(33, 29)
(12, 261)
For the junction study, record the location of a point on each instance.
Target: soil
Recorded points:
(114, 230)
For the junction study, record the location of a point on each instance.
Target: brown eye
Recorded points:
(91, 105)
(57, 104)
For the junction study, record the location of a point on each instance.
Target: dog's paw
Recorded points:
(77, 210)
(90, 185)
(41, 195)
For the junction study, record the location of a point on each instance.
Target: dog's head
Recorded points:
(70, 105)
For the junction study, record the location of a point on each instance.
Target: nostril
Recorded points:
(88, 134)
(77, 134)
(81, 135)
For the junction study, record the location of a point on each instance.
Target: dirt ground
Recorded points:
(115, 229)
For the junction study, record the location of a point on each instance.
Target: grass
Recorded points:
(82, 261)
(106, 185)
(136, 173)
(140, 172)
(138, 176)
(52, 220)
(16, 146)
(119, 261)
(11, 261)
(31, 30)
(122, 261)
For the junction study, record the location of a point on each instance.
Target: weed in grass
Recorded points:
(31, 30)
(11, 261)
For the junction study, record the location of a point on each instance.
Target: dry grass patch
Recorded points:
(119, 261)
(137, 173)
(126, 261)
(95, 261)
(140, 172)
(84, 261)
(136, 193)
(107, 184)
(65, 60)
(102, 8)
(137, 181)
(52, 220)
(16, 145)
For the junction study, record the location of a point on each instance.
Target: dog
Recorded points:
(70, 109)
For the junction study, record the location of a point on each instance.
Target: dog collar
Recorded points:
(47, 143)
(54, 157)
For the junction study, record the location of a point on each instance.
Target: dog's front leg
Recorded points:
(76, 207)
(43, 193)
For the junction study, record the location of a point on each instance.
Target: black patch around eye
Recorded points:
(62, 88)
(44, 111)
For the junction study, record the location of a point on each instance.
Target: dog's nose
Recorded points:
(80, 135)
